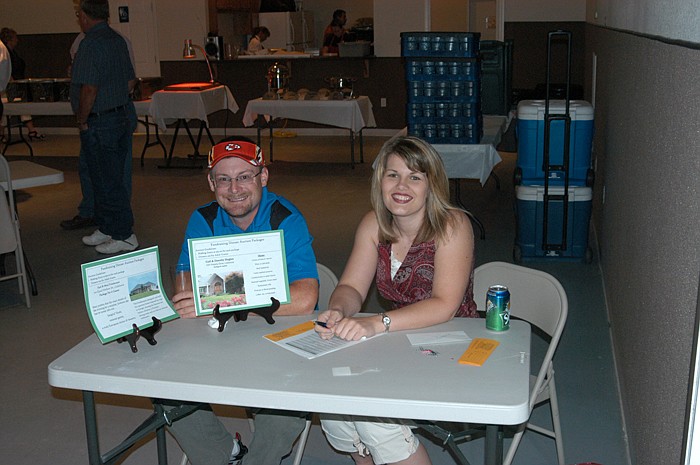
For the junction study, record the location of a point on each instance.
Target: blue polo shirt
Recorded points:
(103, 61)
(212, 220)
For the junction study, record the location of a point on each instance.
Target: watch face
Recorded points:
(386, 320)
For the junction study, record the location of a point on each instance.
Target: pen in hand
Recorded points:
(321, 324)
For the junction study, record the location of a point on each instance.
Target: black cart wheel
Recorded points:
(590, 177)
(517, 176)
(517, 254)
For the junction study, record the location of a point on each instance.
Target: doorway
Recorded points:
(486, 17)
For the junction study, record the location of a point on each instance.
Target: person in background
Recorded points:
(238, 178)
(420, 250)
(255, 46)
(10, 39)
(86, 207)
(340, 16)
(331, 40)
(102, 78)
(5, 73)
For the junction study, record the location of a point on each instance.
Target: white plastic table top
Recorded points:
(170, 106)
(26, 174)
(143, 108)
(406, 383)
(354, 114)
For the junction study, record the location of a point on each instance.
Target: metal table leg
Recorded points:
(493, 447)
(148, 142)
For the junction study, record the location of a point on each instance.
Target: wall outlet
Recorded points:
(382, 102)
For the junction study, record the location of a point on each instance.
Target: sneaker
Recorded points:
(238, 451)
(96, 238)
(77, 222)
(114, 246)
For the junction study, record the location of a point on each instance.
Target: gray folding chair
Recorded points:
(538, 298)
(10, 238)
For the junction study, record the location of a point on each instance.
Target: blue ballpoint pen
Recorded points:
(321, 324)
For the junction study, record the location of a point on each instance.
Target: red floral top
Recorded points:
(414, 279)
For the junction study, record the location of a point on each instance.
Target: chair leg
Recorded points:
(510, 455)
(554, 405)
(301, 443)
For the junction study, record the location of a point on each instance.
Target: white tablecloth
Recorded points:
(353, 114)
(473, 161)
(169, 106)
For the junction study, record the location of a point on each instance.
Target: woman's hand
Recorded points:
(184, 304)
(331, 318)
(354, 329)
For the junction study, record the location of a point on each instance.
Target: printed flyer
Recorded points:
(238, 272)
(123, 291)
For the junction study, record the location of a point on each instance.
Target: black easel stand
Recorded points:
(265, 312)
(147, 333)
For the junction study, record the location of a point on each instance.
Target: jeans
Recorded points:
(205, 440)
(86, 208)
(104, 146)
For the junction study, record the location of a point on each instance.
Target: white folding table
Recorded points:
(401, 380)
(179, 106)
(143, 110)
(353, 114)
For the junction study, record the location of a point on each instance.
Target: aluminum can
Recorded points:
(498, 308)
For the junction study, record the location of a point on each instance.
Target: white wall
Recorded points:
(545, 10)
(678, 20)
(39, 16)
(390, 20)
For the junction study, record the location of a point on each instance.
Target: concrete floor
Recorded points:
(39, 424)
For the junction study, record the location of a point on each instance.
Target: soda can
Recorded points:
(498, 308)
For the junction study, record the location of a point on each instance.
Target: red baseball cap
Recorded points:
(246, 151)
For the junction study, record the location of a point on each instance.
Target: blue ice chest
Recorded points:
(530, 218)
(530, 132)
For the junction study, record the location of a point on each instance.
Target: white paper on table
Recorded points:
(447, 337)
(303, 340)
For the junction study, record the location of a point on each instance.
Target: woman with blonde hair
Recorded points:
(420, 250)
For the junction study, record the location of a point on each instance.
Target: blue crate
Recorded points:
(440, 44)
(463, 131)
(442, 69)
(529, 209)
(450, 109)
(443, 91)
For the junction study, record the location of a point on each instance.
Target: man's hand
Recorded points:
(184, 304)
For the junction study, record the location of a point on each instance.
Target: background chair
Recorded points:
(327, 281)
(10, 239)
(538, 298)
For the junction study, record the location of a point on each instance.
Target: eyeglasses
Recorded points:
(224, 182)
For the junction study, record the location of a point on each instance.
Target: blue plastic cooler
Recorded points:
(529, 240)
(530, 131)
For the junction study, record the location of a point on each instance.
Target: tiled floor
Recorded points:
(39, 424)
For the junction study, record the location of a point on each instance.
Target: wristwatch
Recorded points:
(386, 320)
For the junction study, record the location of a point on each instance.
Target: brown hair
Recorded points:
(421, 157)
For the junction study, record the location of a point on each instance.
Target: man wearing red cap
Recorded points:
(238, 178)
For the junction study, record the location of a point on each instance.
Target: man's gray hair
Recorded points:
(96, 9)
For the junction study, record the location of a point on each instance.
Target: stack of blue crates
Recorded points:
(546, 226)
(443, 80)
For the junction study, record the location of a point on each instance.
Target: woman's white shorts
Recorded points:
(388, 440)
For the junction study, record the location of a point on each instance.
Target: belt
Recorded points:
(111, 110)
